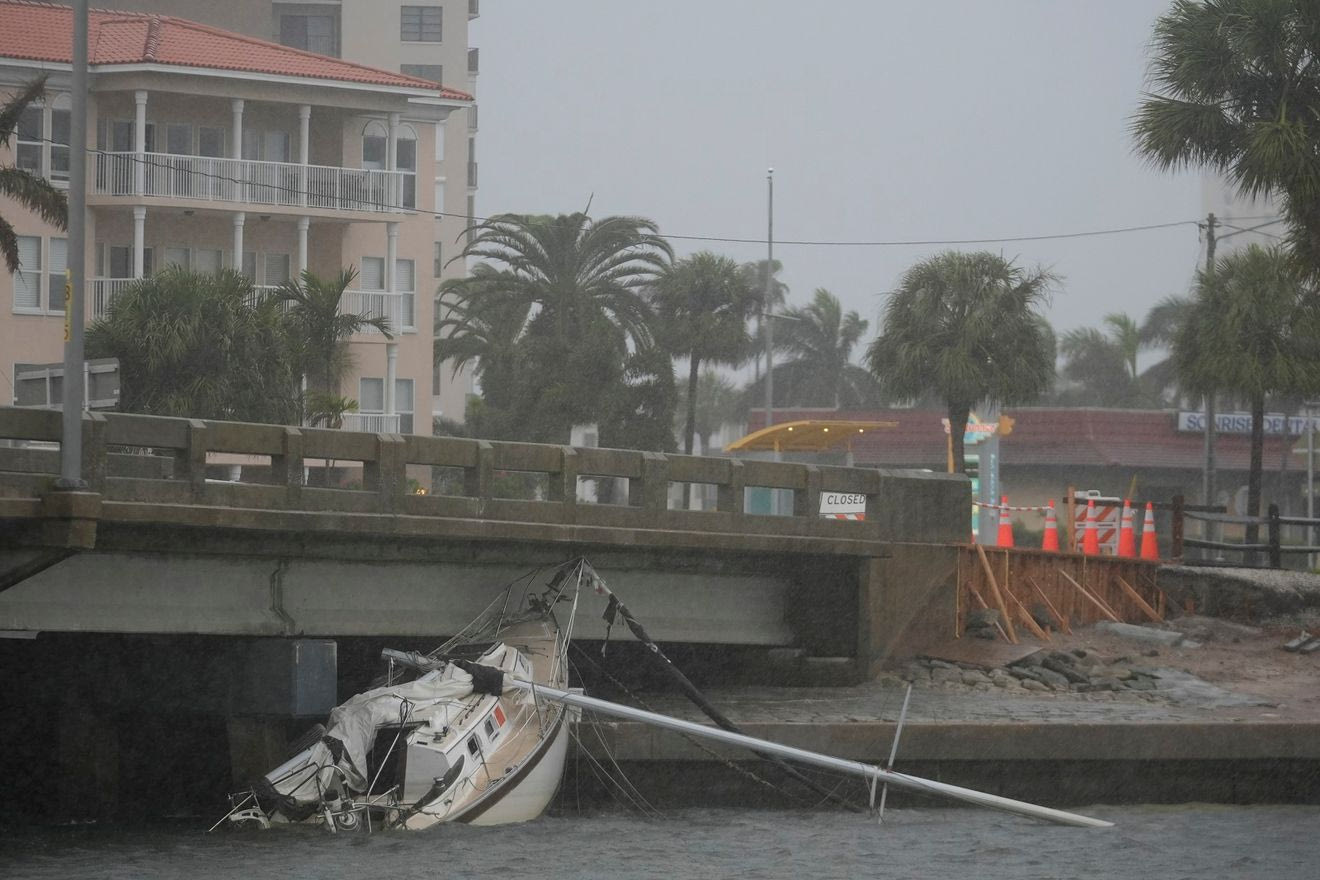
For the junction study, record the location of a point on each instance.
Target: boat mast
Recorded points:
(842, 765)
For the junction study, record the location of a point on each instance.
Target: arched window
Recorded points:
(375, 140)
(405, 159)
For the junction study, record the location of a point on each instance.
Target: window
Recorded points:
(210, 260)
(439, 143)
(375, 140)
(371, 395)
(372, 276)
(421, 24)
(403, 404)
(405, 282)
(121, 136)
(405, 159)
(249, 269)
(27, 280)
(61, 117)
(277, 269)
(210, 141)
(177, 256)
(434, 72)
(30, 140)
(179, 138)
(472, 746)
(121, 261)
(265, 146)
(57, 261)
(313, 33)
(439, 259)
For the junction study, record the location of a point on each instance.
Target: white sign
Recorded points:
(835, 503)
(1240, 423)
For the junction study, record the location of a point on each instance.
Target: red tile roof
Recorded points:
(44, 32)
(1051, 437)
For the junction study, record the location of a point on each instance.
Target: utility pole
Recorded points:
(72, 402)
(767, 307)
(1208, 477)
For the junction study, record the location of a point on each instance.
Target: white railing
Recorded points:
(397, 308)
(100, 292)
(244, 181)
(372, 423)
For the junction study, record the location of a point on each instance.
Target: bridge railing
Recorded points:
(159, 460)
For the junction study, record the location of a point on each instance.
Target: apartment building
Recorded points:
(211, 149)
(420, 38)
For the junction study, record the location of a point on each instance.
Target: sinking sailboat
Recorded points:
(441, 739)
(477, 731)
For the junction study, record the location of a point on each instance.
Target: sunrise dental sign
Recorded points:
(1240, 423)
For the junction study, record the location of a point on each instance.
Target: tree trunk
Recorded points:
(1256, 466)
(958, 415)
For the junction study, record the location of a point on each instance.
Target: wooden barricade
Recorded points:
(1031, 588)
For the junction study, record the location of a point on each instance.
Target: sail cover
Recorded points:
(342, 752)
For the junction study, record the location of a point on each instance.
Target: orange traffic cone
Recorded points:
(1150, 548)
(1090, 538)
(1005, 538)
(1127, 536)
(1051, 542)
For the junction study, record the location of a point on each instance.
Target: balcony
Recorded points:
(397, 308)
(102, 291)
(248, 182)
(372, 423)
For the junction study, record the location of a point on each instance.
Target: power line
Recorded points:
(370, 203)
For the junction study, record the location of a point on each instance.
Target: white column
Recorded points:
(391, 371)
(304, 147)
(239, 219)
(301, 266)
(395, 189)
(236, 143)
(140, 141)
(139, 241)
(391, 281)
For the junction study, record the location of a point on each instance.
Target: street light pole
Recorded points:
(768, 305)
(73, 385)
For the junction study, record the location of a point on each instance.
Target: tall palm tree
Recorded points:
(30, 190)
(199, 345)
(702, 305)
(718, 401)
(472, 328)
(965, 327)
(762, 278)
(1237, 90)
(820, 338)
(320, 330)
(1104, 363)
(568, 292)
(570, 270)
(1253, 329)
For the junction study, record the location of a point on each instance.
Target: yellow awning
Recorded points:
(811, 435)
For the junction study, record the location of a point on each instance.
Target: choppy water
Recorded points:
(1165, 842)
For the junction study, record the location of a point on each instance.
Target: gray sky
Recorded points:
(883, 121)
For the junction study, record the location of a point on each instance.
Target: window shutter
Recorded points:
(27, 280)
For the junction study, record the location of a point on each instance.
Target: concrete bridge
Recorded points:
(155, 546)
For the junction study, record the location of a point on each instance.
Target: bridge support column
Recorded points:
(905, 603)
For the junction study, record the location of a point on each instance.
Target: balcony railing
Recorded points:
(372, 423)
(397, 308)
(101, 292)
(244, 181)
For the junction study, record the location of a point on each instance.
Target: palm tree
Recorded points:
(320, 330)
(1253, 329)
(718, 401)
(702, 305)
(966, 328)
(473, 328)
(1159, 330)
(565, 295)
(199, 345)
(29, 190)
(1105, 363)
(755, 275)
(1238, 91)
(820, 337)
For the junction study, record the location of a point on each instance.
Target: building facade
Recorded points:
(422, 38)
(210, 149)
